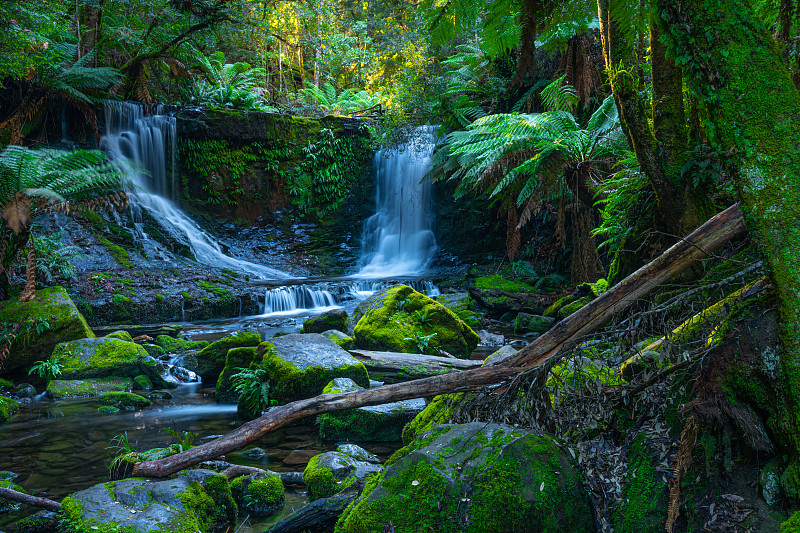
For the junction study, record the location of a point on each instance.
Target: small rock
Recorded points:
(254, 453)
(299, 457)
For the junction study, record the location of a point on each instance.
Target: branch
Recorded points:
(36, 501)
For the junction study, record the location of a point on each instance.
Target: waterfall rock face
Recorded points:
(398, 239)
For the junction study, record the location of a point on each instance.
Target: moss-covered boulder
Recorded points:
(124, 400)
(527, 323)
(474, 478)
(301, 365)
(7, 506)
(59, 389)
(260, 494)
(372, 423)
(462, 305)
(172, 344)
(236, 358)
(331, 472)
(333, 319)
(52, 318)
(179, 505)
(644, 495)
(97, 358)
(41, 522)
(437, 412)
(400, 319)
(121, 335)
(8, 407)
(341, 338)
(211, 359)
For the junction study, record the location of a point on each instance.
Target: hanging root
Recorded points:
(688, 439)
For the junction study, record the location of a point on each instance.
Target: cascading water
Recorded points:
(146, 146)
(398, 239)
(297, 298)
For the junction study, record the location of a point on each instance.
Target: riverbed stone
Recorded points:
(331, 472)
(333, 319)
(179, 505)
(400, 319)
(358, 453)
(24, 390)
(98, 358)
(371, 423)
(52, 318)
(528, 323)
(121, 335)
(173, 345)
(8, 406)
(59, 389)
(300, 365)
(41, 522)
(260, 493)
(124, 400)
(462, 305)
(500, 355)
(211, 359)
(474, 477)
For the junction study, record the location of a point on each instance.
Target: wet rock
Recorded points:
(340, 338)
(500, 355)
(331, 472)
(491, 339)
(124, 400)
(144, 505)
(400, 319)
(301, 365)
(7, 506)
(142, 382)
(57, 320)
(372, 423)
(121, 335)
(159, 395)
(462, 305)
(8, 475)
(358, 453)
(41, 522)
(172, 345)
(58, 389)
(98, 358)
(254, 453)
(25, 390)
(525, 322)
(334, 319)
(236, 359)
(494, 477)
(299, 457)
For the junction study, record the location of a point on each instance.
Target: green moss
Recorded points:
(124, 399)
(236, 358)
(362, 425)
(10, 505)
(556, 306)
(120, 254)
(499, 283)
(186, 295)
(121, 335)
(437, 412)
(571, 307)
(211, 359)
(6, 384)
(171, 344)
(320, 482)
(51, 318)
(405, 318)
(7, 408)
(99, 358)
(215, 289)
(142, 382)
(73, 388)
(792, 525)
(108, 409)
(644, 498)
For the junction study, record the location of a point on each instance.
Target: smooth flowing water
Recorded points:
(398, 239)
(146, 148)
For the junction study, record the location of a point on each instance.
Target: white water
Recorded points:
(398, 239)
(146, 146)
(297, 299)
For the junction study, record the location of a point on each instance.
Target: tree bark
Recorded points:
(563, 336)
(735, 67)
(319, 515)
(36, 501)
(391, 367)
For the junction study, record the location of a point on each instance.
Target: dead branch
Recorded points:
(36, 501)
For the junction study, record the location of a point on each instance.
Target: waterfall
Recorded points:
(297, 298)
(147, 147)
(398, 239)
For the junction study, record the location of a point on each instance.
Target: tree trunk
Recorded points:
(734, 65)
(564, 335)
(30, 274)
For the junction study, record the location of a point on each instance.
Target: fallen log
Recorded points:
(392, 367)
(36, 501)
(288, 478)
(563, 336)
(319, 515)
(152, 330)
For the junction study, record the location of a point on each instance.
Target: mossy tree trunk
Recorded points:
(735, 68)
(661, 145)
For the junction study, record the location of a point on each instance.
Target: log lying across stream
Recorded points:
(393, 367)
(564, 335)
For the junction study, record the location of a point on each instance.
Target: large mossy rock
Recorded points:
(211, 359)
(59, 389)
(236, 358)
(400, 319)
(330, 473)
(301, 365)
(179, 505)
(52, 318)
(462, 305)
(333, 319)
(8, 407)
(371, 423)
(474, 478)
(260, 494)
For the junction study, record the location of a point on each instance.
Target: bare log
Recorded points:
(288, 478)
(36, 501)
(564, 335)
(391, 367)
(319, 515)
